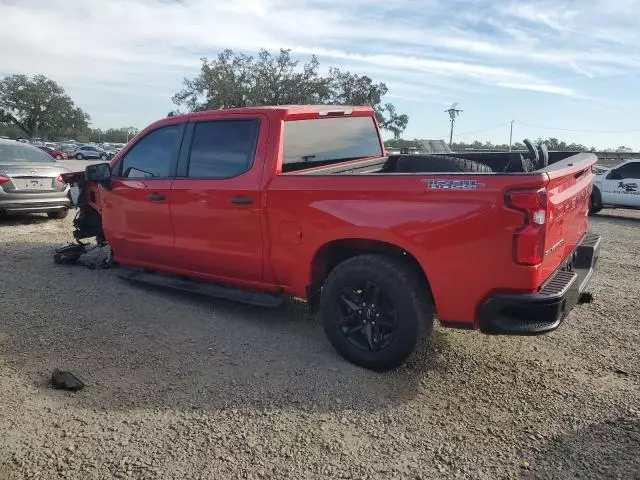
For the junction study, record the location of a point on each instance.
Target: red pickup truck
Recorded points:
(261, 203)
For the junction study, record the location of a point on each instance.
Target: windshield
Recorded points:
(322, 141)
(23, 153)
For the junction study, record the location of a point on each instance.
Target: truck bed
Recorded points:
(498, 162)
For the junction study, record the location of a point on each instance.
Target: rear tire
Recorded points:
(378, 332)
(58, 157)
(59, 215)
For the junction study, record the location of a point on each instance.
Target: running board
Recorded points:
(183, 284)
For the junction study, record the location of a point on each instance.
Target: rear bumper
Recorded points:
(541, 312)
(34, 205)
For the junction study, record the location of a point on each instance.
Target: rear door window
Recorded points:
(222, 148)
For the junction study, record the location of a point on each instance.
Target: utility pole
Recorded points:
(511, 135)
(453, 113)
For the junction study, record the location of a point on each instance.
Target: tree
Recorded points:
(113, 135)
(402, 142)
(39, 106)
(552, 144)
(351, 89)
(240, 80)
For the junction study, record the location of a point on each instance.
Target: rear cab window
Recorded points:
(325, 141)
(16, 152)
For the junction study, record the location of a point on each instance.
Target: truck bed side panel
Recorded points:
(462, 237)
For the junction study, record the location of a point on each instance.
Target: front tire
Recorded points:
(59, 215)
(375, 310)
(58, 157)
(79, 156)
(595, 204)
(103, 157)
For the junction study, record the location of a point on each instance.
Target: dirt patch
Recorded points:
(182, 387)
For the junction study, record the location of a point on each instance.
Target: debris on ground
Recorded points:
(66, 381)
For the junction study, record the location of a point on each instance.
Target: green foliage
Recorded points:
(552, 144)
(240, 80)
(112, 135)
(401, 142)
(39, 106)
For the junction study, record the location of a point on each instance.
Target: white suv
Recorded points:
(89, 151)
(617, 187)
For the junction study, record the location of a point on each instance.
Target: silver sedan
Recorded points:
(31, 182)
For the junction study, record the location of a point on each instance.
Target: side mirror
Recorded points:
(614, 175)
(99, 173)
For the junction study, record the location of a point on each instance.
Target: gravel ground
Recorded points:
(184, 387)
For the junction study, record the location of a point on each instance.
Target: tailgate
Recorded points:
(568, 197)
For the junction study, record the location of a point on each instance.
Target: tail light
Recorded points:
(59, 180)
(528, 241)
(3, 179)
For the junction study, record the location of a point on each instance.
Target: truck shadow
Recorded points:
(146, 347)
(13, 220)
(606, 450)
(612, 218)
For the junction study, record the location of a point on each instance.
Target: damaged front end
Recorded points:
(87, 223)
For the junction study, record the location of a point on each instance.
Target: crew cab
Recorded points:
(617, 187)
(256, 204)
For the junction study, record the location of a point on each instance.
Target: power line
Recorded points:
(578, 130)
(484, 129)
(501, 125)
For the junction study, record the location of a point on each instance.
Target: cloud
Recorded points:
(149, 45)
(569, 92)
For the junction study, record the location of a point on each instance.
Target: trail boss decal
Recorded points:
(451, 184)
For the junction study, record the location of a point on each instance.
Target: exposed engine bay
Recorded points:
(87, 224)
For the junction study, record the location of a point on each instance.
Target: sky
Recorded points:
(568, 69)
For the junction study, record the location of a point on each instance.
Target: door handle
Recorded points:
(241, 200)
(156, 197)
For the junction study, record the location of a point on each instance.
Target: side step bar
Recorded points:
(162, 280)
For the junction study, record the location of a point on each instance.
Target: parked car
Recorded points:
(617, 187)
(31, 181)
(89, 151)
(57, 154)
(302, 201)
(67, 148)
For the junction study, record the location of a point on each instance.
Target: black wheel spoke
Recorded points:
(368, 331)
(348, 319)
(378, 336)
(349, 302)
(386, 321)
(372, 293)
(349, 332)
